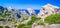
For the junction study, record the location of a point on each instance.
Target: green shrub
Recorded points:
(41, 22)
(23, 26)
(29, 23)
(1, 26)
(33, 19)
(7, 27)
(53, 19)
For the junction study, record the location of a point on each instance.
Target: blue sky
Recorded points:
(23, 4)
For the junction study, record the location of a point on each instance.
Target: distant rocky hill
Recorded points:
(48, 10)
(15, 12)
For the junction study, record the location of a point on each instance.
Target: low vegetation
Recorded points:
(1, 26)
(53, 19)
(7, 27)
(28, 24)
